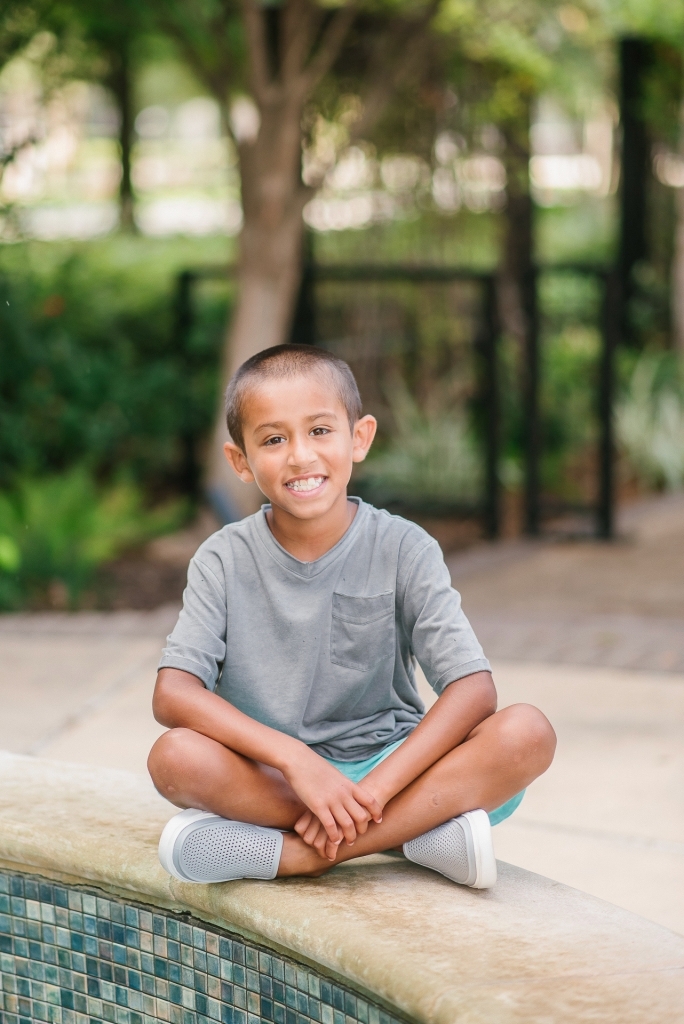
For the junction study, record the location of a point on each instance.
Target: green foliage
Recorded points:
(55, 531)
(430, 463)
(569, 416)
(650, 420)
(92, 370)
(20, 21)
(10, 555)
(465, 239)
(645, 18)
(570, 344)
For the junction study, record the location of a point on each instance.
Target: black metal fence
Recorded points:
(486, 350)
(610, 315)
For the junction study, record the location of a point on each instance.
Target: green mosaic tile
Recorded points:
(74, 957)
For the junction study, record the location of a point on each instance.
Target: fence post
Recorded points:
(490, 336)
(303, 330)
(635, 56)
(610, 327)
(182, 309)
(531, 405)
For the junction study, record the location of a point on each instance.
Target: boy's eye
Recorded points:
(319, 431)
(274, 440)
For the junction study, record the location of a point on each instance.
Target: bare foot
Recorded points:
(299, 859)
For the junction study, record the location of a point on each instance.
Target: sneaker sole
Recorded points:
(172, 830)
(485, 861)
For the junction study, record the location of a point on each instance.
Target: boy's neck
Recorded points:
(309, 539)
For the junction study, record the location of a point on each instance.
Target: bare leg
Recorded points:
(501, 756)
(191, 770)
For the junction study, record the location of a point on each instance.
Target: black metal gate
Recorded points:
(486, 343)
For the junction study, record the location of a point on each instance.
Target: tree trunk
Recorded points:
(518, 301)
(517, 259)
(269, 273)
(120, 81)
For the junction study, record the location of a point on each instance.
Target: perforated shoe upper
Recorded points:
(217, 850)
(447, 849)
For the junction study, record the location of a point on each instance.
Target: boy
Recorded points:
(297, 738)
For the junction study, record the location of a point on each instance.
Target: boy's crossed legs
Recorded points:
(498, 758)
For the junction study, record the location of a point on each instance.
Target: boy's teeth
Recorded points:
(306, 485)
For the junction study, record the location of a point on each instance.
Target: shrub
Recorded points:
(431, 463)
(55, 531)
(93, 371)
(650, 421)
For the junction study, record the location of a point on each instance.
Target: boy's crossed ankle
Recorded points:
(198, 846)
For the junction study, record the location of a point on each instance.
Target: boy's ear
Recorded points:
(237, 460)
(362, 437)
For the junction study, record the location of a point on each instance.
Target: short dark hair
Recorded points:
(289, 361)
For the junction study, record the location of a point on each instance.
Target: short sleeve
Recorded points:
(439, 633)
(198, 641)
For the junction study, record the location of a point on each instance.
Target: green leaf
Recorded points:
(10, 555)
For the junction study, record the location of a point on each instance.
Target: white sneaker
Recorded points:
(198, 846)
(461, 849)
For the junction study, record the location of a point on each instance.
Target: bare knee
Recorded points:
(168, 758)
(527, 736)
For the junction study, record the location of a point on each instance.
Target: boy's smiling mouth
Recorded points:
(305, 484)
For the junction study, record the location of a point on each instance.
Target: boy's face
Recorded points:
(298, 444)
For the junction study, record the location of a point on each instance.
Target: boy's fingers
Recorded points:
(345, 822)
(330, 825)
(303, 823)
(359, 815)
(368, 801)
(313, 831)
(362, 825)
(323, 847)
(326, 849)
(319, 841)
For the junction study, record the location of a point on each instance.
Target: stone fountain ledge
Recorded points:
(530, 950)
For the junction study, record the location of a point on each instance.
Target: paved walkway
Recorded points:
(79, 687)
(592, 634)
(584, 603)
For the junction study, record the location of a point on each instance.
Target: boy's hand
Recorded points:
(313, 833)
(337, 806)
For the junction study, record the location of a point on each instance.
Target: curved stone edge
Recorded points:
(528, 951)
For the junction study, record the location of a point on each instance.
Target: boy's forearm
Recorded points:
(461, 706)
(181, 701)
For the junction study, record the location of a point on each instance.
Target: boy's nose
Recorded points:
(301, 453)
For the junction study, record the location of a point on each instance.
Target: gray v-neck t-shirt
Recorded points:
(324, 651)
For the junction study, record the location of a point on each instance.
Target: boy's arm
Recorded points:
(462, 705)
(181, 701)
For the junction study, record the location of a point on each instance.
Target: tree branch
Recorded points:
(257, 44)
(333, 39)
(301, 22)
(13, 152)
(398, 55)
(218, 84)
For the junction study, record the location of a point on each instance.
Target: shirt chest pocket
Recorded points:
(362, 631)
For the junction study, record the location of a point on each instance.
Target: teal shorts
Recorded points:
(357, 770)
